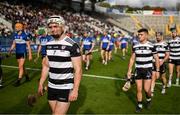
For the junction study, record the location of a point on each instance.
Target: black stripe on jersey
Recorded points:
(144, 55)
(174, 51)
(174, 47)
(59, 59)
(61, 70)
(143, 62)
(161, 52)
(60, 82)
(174, 55)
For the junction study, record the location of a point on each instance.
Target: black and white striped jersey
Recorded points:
(59, 54)
(161, 48)
(174, 48)
(144, 54)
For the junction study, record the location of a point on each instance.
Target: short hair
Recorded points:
(159, 33)
(143, 30)
(173, 29)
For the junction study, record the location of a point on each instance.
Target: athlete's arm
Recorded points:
(76, 61)
(12, 47)
(101, 45)
(165, 58)
(39, 50)
(93, 44)
(29, 50)
(131, 63)
(44, 74)
(157, 64)
(108, 45)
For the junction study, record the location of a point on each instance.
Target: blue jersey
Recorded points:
(123, 40)
(20, 40)
(29, 36)
(105, 41)
(134, 41)
(111, 45)
(87, 43)
(43, 40)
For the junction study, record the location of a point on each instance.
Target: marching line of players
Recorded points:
(150, 64)
(150, 59)
(108, 43)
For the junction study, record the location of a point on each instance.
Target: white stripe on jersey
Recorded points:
(144, 52)
(61, 53)
(144, 65)
(63, 86)
(60, 64)
(148, 44)
(61, 76)
(86, 43)
(174, 54)
(20, 41)
(61, 42)
(178, 49)
(175, 58)
(105, 40)
(144, 59)
(174, 45)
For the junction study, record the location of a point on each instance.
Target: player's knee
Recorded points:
(139, 90)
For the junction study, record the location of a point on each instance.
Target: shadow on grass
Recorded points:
(20, 108)
(88, 111)
(9, 77)
(130, 94)
(75, 106)
(118, 85)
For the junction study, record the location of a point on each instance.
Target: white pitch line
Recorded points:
(88, 75)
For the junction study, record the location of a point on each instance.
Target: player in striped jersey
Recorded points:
(63, 63)
(142, 55)
(20, 42)
(174, 57)
(87, 47)
(162, 49)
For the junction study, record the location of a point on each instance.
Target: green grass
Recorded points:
(96, 96)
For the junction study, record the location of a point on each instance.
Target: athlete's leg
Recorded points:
(87, 61)
(109, 55)
(139, 95)
(102, 56)
(61, 108)
(106, 57)
(147, 88)
(177, 74)
(21, 67)
(52, 105)
(171, 67)
(153, 82)
(84, 58)
(164, 82)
